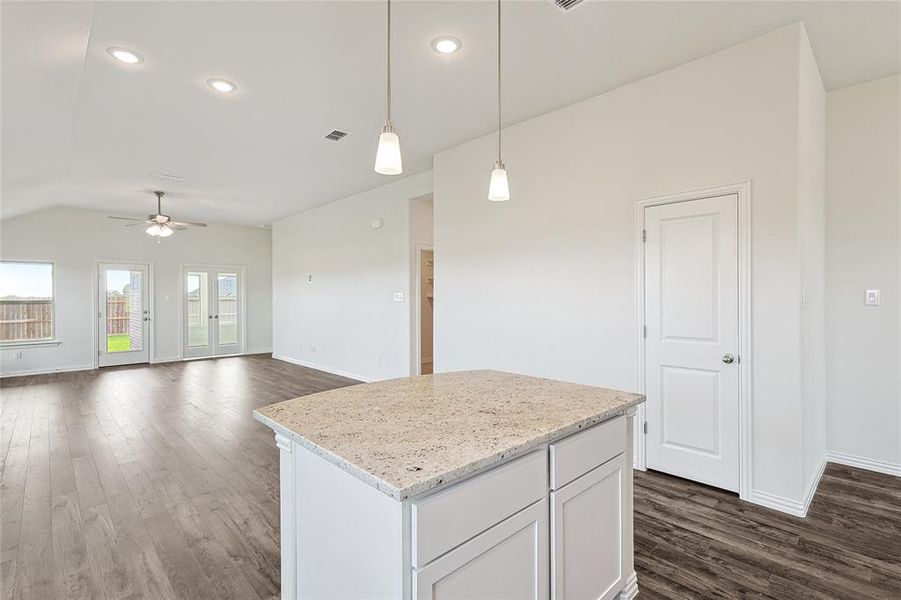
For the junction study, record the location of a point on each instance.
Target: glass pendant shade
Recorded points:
(154, 230)
(498, 188)
(387, 157)
(165, 231)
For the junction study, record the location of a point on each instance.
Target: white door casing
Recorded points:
(124, 312)
(691, 284)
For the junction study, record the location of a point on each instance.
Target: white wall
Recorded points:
(346, 320)
(812, 229)
(74, 239)
(864, 252)
(545, 284)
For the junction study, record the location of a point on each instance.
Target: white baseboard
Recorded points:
(792, 507)
(812, 485)
(331, 370)
(786, 505)
(850, 460)
(44, 371)
(631, 588)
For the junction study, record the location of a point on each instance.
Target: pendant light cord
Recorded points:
(498, 81)
(389, 63)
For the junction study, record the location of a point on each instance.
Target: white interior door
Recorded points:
(124, 314)
(691, 312)
(213, 299)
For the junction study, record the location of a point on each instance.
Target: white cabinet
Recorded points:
(587, 535)
(509, 560)
(553, 523)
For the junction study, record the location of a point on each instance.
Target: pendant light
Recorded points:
(387, 157)
(498, 188)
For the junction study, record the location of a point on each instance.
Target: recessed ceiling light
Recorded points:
(125, 55)
(222, 85)
(446, 44)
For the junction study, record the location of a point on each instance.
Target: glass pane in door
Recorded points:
(228, 308)
(198, 310)
(125, 312)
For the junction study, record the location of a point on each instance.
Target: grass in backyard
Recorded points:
(118, 343)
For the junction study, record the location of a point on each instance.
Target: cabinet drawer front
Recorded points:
(448, 518)
(510, 560)
(587, 535)
(583, 451)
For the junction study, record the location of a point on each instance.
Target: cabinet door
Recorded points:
(508, 561)
(587, 534)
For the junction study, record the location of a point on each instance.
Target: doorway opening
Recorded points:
(125, 332)
(426, 303)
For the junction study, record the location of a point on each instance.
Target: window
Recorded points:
(26, 302)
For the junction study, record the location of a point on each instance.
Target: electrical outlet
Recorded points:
(312, 348)
(378, 361)
(18, 355)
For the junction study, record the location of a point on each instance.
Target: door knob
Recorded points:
(209, 316)
(728, 359)
(215, 316)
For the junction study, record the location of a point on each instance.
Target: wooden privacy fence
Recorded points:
(228, 311)
(117, 316)
(26, 319)
(33, 319)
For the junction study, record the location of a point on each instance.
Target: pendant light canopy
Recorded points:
(387, 157)
(498, 187)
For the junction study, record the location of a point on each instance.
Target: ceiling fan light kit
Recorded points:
(159, 225)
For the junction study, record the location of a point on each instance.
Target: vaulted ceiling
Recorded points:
(81, 129)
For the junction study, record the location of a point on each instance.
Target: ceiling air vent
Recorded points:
(567, 5)
(336, 135)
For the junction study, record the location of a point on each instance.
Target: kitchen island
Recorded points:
(477, 484)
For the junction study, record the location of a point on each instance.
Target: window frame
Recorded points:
(53, 340)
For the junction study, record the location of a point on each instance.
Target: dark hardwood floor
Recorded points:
(693, 541)
(155, 482)
(144, 482)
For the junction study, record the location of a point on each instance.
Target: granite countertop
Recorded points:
(411, 435)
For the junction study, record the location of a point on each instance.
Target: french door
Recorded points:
(691, 311)
(124, 313)
(212, 301)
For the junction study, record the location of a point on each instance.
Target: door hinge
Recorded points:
(644, 331)
(645, 427)
(644, 235)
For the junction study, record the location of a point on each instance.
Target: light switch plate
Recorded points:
(871, 298)
(398, 296)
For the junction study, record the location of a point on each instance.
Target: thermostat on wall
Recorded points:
(376, 224)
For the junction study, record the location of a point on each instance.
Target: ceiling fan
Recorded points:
(159, 225)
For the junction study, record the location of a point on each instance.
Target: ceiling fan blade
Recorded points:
(184, 224)
(138, 224)
(176, 226)
(124, 218)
